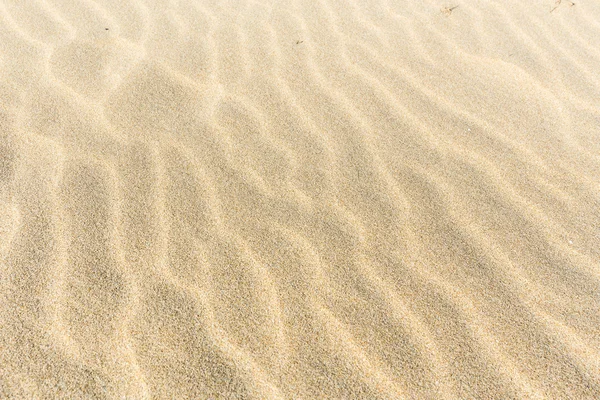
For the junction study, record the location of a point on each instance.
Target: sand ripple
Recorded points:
(305, 199)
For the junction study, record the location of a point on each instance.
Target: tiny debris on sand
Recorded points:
(557, 4)
(448, 10)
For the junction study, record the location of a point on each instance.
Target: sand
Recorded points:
(301, 199)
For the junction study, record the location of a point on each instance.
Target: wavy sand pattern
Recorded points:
(301, 199)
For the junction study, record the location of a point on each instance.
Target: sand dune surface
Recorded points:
(301, 199)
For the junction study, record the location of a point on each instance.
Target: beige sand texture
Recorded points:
(299, 199)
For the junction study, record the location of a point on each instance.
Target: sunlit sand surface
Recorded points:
(301, 199)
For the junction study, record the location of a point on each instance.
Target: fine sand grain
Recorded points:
(299, 199)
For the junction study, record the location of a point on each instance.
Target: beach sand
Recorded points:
(301, 199)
